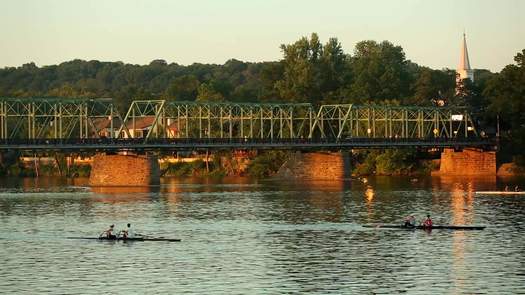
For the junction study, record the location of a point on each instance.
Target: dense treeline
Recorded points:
(309, 71)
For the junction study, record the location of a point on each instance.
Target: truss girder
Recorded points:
(220, 120)
(57, 118)
(352, 121)
(53, 118)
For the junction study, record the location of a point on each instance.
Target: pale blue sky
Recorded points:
(138, 31)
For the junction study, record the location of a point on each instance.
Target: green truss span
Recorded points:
(72, 118)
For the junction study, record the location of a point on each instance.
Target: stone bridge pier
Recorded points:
(124, 170)
(317, 165)
(467, 162)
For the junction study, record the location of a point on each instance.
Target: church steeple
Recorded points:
(464, 71)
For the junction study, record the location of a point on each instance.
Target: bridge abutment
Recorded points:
(467, 162)
(319, 165)
(124, 170)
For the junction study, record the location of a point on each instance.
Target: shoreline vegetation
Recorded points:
(261, 165)
(309, 71)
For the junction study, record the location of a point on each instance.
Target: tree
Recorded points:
(432, 86)
(183, 88)
(66, 90)
(520, 58)
(311, 70)
(270, 73)
(380, 71)
(334, 71)
(206, 92)
(505, 93)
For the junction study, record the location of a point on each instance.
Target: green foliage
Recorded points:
(312, 71)
(44, 169)
(183, 88)
(207, 92)
(267, 163)
(395, 161)
(506, 92)
(433, 85)
(178, 169)
(385, 162)
(427, 166)
(506, 96)
(17, 170)
(520, 59)
(235, 80)
(194, 168)
(185, 168)
(309, 71)
(79, 170)
(380, 71)
(365, 163)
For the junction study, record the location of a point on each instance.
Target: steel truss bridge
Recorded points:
(58, 124)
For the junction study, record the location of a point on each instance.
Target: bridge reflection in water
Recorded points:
(462, 195)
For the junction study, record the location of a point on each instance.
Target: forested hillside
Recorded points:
(309, 71)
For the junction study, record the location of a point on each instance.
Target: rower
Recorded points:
(128, 232)
(410, 221)
(109, 232)
(428, 221)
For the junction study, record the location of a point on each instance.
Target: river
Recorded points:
(242, 236)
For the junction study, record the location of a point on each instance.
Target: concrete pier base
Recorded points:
(467, 162)
(322, 166)
(124, 170)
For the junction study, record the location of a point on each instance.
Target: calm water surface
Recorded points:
(241, 236)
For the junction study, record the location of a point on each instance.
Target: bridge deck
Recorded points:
(112, 145)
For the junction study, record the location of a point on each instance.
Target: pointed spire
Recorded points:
(464, 63)
(464, 70)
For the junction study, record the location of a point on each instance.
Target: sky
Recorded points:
(138, 31)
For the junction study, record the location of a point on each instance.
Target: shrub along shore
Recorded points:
(260, 165)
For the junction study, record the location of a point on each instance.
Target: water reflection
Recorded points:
(462, 197)
(478, 183)
(369, 193)
(244, 236)
(119, 190)
(461, 206)
(369, 197)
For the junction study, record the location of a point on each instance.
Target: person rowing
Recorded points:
(109, 233)
(428, 221)
(127, 232)
(410, 221)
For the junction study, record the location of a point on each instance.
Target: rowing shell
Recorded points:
(452, 227)
(499, 193)
(127, 239)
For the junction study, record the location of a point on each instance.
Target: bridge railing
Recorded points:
(174, 144)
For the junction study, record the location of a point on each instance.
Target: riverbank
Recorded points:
(253, 164)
